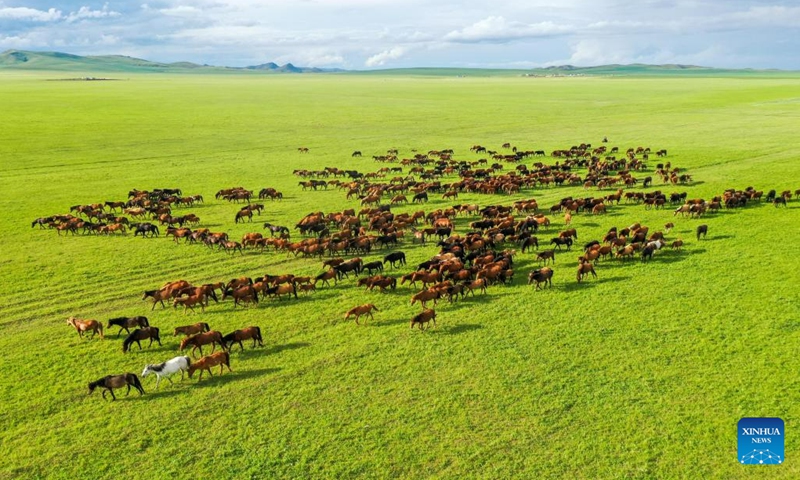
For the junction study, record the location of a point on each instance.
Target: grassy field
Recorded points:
(641, 373)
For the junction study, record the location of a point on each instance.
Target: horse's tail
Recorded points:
(157, 334)
(294, 289)
(376, 308)
(228, 360)
(100, 327)
(258, 334)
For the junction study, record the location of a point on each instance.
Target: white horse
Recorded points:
(167, 368)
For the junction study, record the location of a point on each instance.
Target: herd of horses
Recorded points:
(467, 262)
(195, 337)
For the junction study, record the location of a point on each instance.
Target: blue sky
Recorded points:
(362, 34)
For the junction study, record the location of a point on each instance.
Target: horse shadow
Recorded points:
(235, 375)
(462, 328)
(163, 391)
(716, 237)
(286, 346)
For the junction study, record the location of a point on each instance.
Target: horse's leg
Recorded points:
(158, 379)
(140, 345)
(242, 346)
(170, 380)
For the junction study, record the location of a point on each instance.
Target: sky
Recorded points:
(371, 34)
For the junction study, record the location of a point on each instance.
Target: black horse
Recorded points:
(369, 267)
(558, 241)
(394, 258)
(541, 276)
(145, 229)
(109, 382)
(125, 323)
(141, 334)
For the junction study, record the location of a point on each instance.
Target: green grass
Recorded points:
(642, 373)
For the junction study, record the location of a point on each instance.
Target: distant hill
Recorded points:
(65, 62)
(57, 61)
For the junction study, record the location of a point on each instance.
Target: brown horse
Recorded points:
(585, 269)
(365, 309)
(141, 334)
(109, 382)
(190, 302)
(423, 318)
(237, 336)
(206, 363)
(191, 329)
(197, 341)
(425, 296)
(85, 325)
(158, 296)
(541, 276)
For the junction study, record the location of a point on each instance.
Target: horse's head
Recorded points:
(92, 386)
(184, 342)
(146, 370)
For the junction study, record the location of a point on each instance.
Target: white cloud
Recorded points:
(180, 10)
(386, 55)
(499, 30)
(30, 14)
(87, 12)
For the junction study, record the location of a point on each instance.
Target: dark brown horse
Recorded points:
(126, 323)
(141, 334)
(541, 276)
(109, 382)
(423, 318)
(197, 341)
(237, 336)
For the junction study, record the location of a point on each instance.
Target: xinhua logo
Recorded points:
(761, 441)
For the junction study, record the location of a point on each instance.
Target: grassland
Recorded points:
(642, 373)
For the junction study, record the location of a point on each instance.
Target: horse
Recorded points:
(542, 275)
(144, 229)
(245, 294)
(85, 325)
(425, 296)
(369, 267)
(109, 382)
(237, 336)
(167, 368)
(545, 256)
(158, 296)
(395, 257)
(702, 229)
(141, 334)
(126, 323)
(190, 302)
(240, 215)
(191, 329)
(197, 341)
(585, 269)
(423, 318)
(558, 241)
(530, 242)
(365, 309)
(276, 230)
(220, 358)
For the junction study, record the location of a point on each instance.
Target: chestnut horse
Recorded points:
(191, 329)
(197, 341)
(237, 336)
(206, 363)
(86, 325)
(365, 309)
(109, 382)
